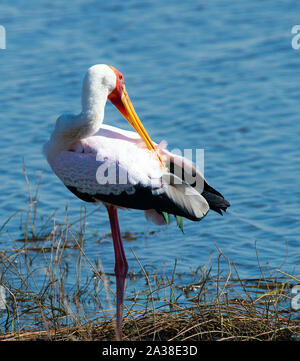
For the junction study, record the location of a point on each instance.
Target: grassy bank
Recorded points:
(38, 302)
(255, 316)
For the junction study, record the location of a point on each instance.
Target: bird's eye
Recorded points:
(120, 76)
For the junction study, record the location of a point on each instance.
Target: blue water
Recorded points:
(217, 75)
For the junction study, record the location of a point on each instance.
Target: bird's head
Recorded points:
(112, 79)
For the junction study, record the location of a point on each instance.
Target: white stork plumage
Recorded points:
(124, 169)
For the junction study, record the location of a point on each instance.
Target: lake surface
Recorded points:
(220, 76)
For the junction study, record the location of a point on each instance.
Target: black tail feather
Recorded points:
(215, 199)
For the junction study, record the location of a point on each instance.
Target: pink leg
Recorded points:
(121, 266)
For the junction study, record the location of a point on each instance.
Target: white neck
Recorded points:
(93, 100)
(70, 129)
(98, 82)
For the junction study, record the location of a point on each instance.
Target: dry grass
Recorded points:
(213, 307)
(235, 320)
(186, 325)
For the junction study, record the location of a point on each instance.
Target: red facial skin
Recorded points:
(116, 95)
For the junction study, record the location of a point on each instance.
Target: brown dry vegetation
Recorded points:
(214, 307)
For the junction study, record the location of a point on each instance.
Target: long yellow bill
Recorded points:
(122, 102)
